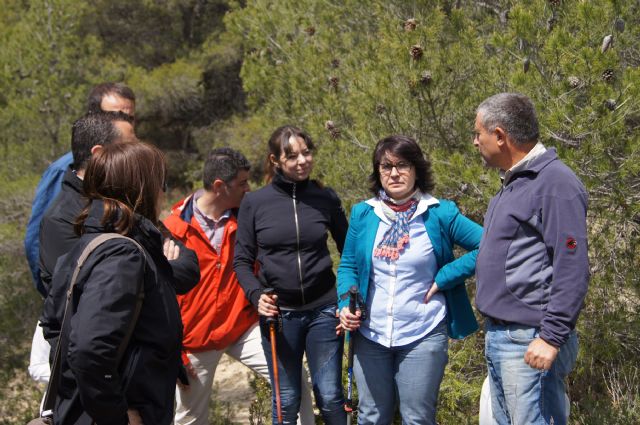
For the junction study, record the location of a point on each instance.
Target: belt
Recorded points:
(499, 322)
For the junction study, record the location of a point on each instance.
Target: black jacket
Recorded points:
(56, 228)
(93, 387)
(292, 256)
(57, 236)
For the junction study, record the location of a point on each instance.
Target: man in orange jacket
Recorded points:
(216, 315)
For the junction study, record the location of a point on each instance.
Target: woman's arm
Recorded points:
(103, 317)
(463, 232)
(348, 274)
(245, 255)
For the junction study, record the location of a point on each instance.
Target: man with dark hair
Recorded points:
(57, 235)
(216, 316)
(532, 268)
(98, 129)
(112, 97)
(104, 97)
(88, 134)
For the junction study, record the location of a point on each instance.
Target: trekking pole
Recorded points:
(273, 323)
(348, 405)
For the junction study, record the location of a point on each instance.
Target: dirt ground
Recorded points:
(232, 383)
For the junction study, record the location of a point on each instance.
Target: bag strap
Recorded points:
(54, 380)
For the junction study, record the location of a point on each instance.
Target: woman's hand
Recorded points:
(348, 321)
(431, 293)
(267, 305)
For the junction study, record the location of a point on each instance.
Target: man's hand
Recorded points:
(540, 354)
(191, 374)
(171, 249)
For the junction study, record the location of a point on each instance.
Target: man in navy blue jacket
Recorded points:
(532, 269)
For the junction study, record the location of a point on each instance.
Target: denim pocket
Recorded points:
(522, 334)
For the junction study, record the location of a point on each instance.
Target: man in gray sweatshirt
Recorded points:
(532, 269)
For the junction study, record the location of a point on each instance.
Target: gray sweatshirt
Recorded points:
(532, 267)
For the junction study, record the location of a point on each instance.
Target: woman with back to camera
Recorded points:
(399, 253)
(123, 184)
(283, 227)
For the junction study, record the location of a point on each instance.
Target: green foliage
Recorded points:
(44, 68)
(220, 413)
(20, 306)
(349, 72)
(353, 72)
(260, 409)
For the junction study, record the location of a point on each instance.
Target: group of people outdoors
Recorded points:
(150, 317)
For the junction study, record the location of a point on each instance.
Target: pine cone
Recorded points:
(310, 30)
(426, 78)
(332, 129)
(410, 24)
(608, 75)
(333, 82)
(551, 23)
(554, 3)
(416, 51)
(380, 109)
(606, 43)
(574, 81)
(335, 63)
(611, 104)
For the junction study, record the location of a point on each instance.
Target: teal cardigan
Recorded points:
(445, 226)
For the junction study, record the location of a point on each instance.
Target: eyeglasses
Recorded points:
(401, 167)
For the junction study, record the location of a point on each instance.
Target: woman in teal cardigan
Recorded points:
(399, 253)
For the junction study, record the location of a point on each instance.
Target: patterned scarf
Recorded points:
(396, 236)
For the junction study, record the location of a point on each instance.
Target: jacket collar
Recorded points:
(72, 181)
(143, 231)
(281, 182)
(533, 166)
(183, 210)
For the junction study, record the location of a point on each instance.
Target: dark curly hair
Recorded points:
(406, 148)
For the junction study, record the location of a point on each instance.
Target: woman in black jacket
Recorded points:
(283, 228)
(124, 184)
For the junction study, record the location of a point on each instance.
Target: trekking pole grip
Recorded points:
(271, 320)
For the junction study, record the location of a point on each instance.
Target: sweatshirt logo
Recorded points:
(571, 243)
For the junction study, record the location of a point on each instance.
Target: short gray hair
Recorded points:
(514, 113)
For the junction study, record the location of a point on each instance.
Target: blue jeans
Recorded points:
(521, 394)
(409, 375)
(313, 332)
